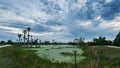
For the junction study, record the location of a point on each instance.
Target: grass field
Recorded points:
(101, 57)
(96, 57)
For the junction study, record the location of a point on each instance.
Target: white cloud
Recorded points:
(6, 16)
(58, 28)
(113, 25)
(32, 11)
(107, 1)
(14, 30)
(86, 24)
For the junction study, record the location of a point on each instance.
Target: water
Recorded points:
(53, 53)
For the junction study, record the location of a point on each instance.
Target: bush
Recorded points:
(117, 40)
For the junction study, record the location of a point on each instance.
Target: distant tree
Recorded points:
(101, 41)
(56, 42)
(31, 40)
(79, 41)
(116, 41)
(90, 43)
(53, 41)
(40, 41)
(19, 36)
(2, 42)
(9, 42)
(35, 41)
(108, 42)
(46, 42)
(28, 29)
(24, 37)
(72, 43)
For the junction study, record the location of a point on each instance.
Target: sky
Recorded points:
(60, 20)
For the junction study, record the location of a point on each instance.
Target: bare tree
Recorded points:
(79, 41)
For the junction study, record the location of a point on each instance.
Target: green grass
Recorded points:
(101, 57)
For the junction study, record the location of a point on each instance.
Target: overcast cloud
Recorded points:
(61, 20)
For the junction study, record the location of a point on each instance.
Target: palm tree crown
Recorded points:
(28, 29)
(24, 31)
(19, 35)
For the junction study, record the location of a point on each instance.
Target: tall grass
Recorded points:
(101, 57)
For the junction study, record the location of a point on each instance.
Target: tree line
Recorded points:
(28, 40)
(97, 41)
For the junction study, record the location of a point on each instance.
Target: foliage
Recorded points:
(10, 42)
(117, 40)
(47, 42)
(2, 42)
(100, 41)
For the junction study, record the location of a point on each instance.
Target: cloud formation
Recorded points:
(60, 19)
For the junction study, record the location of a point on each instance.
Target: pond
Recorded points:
(59, 53)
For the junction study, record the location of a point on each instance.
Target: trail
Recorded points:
(113, 46)
(4, 46)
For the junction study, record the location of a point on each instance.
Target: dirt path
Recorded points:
(4, 46)
(113, 46)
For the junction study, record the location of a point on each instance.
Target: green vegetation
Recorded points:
(101, 57)
(96, 57)
(117, 40)
(100, 41)
(15, 57)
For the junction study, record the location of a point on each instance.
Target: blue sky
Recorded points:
(61, 20)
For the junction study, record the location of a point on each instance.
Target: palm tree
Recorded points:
(24, 37)
(36, 42)
(19, 36)
(53, 41)
(31, 40)
(28, 29)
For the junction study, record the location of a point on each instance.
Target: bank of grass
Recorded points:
(101, 57)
